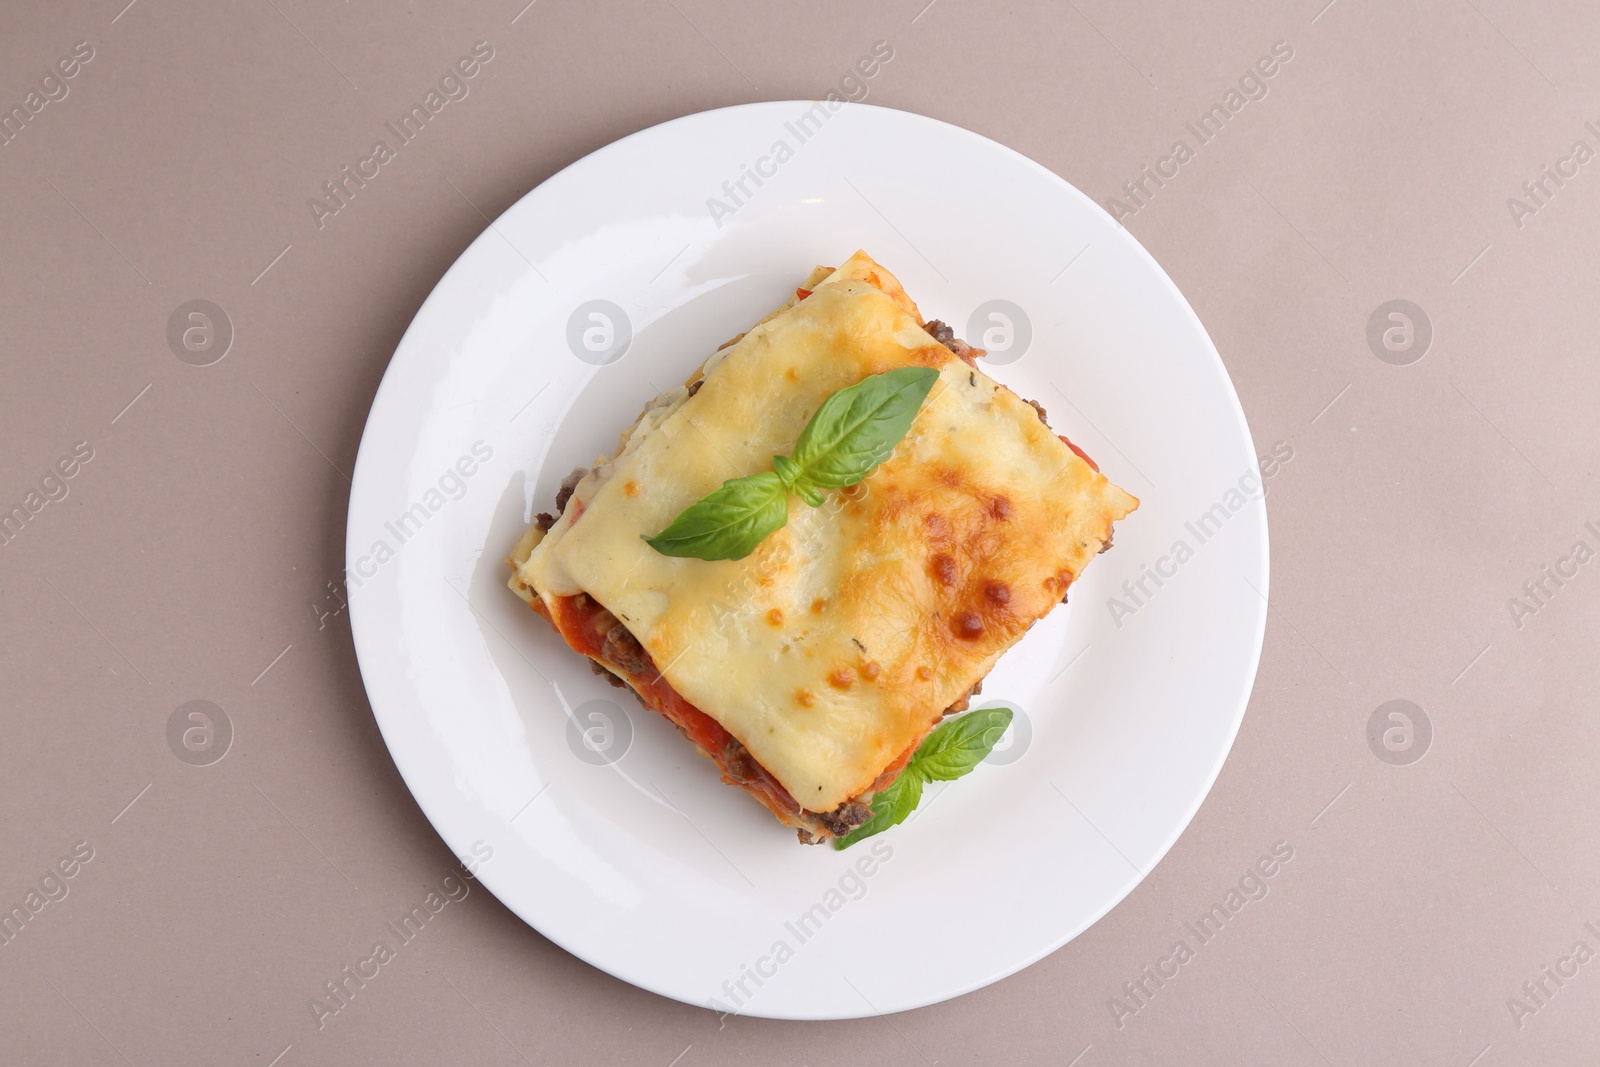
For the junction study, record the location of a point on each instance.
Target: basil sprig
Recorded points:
(853, 431)
(948, 753)
(729, 522)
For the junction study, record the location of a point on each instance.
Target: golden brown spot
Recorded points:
(938, 526)
(775, 617)
(869, 670)
(854, 492)
(791, 375)
(842, 678)
(924, 673)
(968, 625)
(949, 476)
(630, 488)
(1000, 507)
(997, 592)
(806, 698)
(818, 606)
(944, 568)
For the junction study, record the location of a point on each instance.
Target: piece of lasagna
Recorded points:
(810, 670)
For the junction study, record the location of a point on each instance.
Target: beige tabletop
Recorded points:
(1384, 213)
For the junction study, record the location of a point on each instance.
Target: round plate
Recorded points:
(593, 819)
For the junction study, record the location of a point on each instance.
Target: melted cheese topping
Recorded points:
(840, 641)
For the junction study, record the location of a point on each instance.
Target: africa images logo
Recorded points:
(53, 88)
(1251, 86)
(453, 85)
(1138, 592)
(737, 191)
(1251, 887)
(738, 990)
(452, 485)
(52, 488)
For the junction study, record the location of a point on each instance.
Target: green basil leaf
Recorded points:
(961, 744)
(729, 522)
(809, 493)
(948, 753)
(890, 807)
(853, 431)
(787, 470)
(856, 428)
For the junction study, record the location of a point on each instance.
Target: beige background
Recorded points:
(192, 555)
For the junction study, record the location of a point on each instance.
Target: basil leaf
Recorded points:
(729, 522)
(890, 807)
(948, 753)
(856, 428)
(961, 744)
(853, 431)
(787, 470)
(794, 478)
(810, 494)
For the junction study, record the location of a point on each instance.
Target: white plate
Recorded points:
(647, 866)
